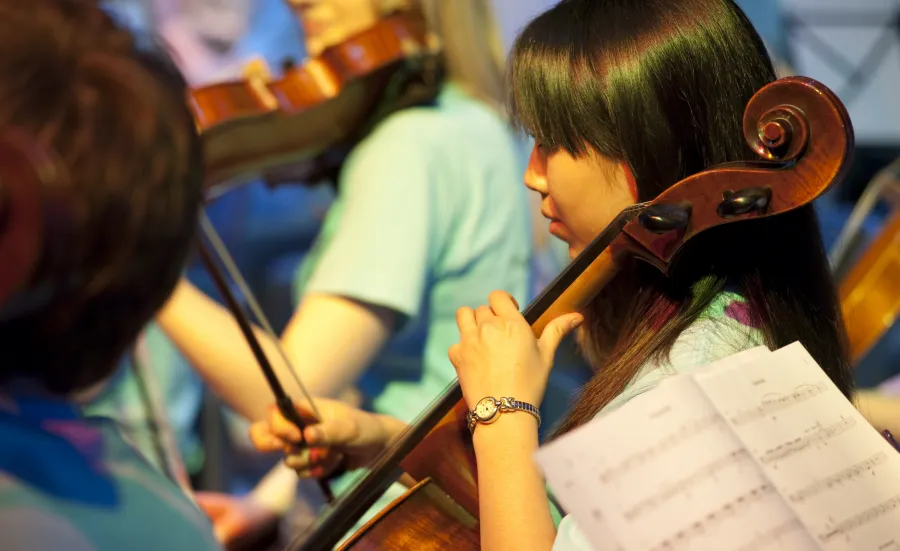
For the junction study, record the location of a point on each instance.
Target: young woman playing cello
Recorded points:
(624, 99)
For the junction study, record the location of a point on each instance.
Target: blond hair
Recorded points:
(470, 39)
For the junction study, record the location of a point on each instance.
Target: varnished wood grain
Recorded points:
(870, 294)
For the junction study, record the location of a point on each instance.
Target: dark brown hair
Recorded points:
(662, 85)
(115, 115)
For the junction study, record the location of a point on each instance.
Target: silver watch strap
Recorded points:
(509, 404)
(506, 405)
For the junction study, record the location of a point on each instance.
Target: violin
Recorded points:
(299, 127)
(803, 137)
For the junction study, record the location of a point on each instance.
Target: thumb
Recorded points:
(554, 333)
(336, 432)
(213, 504)
(230, 526)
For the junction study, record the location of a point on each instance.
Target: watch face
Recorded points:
(485, 409)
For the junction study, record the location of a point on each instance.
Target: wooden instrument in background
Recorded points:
(299, 127)
(870, 293)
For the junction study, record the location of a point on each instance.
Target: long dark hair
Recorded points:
(662, 85)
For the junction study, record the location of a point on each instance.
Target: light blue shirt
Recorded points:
(74, 484)
(431, 215)
(124, 402)
(724, 329)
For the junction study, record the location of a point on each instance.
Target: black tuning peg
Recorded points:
(665, 217)
(735, 203)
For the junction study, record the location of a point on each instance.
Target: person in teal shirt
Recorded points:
(441, 228)
(429, 215)
(116, 240)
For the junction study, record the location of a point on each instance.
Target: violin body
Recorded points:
(298, 128)
(803, 138)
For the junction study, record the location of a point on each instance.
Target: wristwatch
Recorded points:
(488, 409)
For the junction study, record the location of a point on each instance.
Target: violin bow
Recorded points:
(213, 252)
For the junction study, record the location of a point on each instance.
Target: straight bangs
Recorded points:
(554, 94)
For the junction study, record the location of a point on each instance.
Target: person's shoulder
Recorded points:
(724, 328)
(455, 111)
(26, 525)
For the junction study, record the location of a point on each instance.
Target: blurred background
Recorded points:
(852, 46)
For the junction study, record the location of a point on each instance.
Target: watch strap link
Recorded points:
(510, 404)
(505, 405)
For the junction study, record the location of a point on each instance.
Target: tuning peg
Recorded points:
(665, 217)
(744, 201)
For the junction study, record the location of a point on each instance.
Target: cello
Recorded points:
(869, 291)
(803, 137)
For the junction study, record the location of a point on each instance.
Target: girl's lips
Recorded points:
(558, 229)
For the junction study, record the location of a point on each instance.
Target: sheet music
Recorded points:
(629, 484)
(834, 470)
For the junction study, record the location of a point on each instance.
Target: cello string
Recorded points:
(221, 251)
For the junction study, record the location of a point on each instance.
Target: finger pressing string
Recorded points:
(503, 304)
(465, 320)
(483, 313)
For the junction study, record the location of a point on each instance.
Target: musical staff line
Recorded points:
(678, 487)
(639, 458)
(773, 535)
(867, 516)
(683, 537)
(841, 476)
(769, 406)
(797, 445)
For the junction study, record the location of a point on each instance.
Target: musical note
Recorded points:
(776, 535)
(800, 444)
(642, 457)
(862, 519)
(663, 493)
(845, 475)
(812, 444)
(681, 485)
(775, 403)
(757, 453)
(734, 507)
